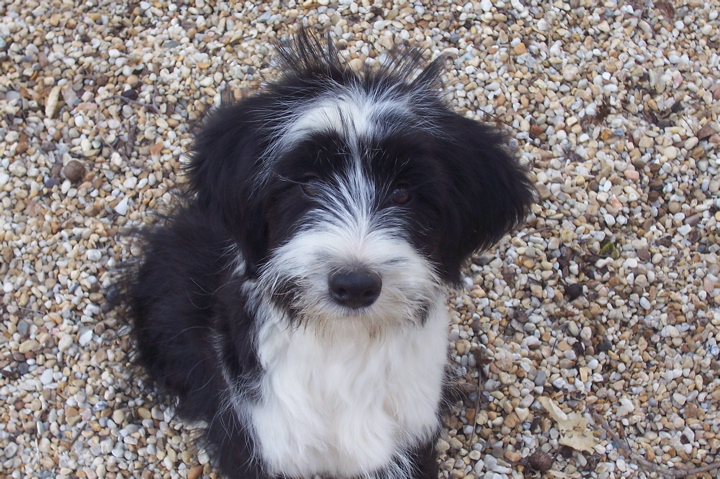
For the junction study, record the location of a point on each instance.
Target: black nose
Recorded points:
(355, 289)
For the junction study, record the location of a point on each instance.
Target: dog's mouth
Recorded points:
(351, 297)
(347, 295)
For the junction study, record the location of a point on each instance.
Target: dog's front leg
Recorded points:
(233, 447)
(427, 465)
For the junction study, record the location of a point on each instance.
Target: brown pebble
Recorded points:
(195, 472)
(22, 145)
(693, 220)
(27, 346)
(74, 171)
(511, 420)
(470, 415)
(520, 48)
(566, 451)
(512, 456)
(705, 132)
(130, 94)
(644, 254)
(649, 453)
(573, 291)
(536, 129)
(540, 461)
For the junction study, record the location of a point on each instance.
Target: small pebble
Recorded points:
(10, 450)
(46, 377)
(118, 416)
(626, 407)
(74, 171)
(122, 207)
(65, 342)
(85, 338)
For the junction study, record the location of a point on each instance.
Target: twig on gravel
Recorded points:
(534, 231)
(627, 451)
(149, 106)
(122, 148)
(131, 137)
(31, 311)
(480, 361)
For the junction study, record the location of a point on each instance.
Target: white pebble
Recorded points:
(46, 377)
(586, 334)
(86, 337)
(10, 450)
(670, 331)
(570, 72)
(684, 229)
(671, 152)
(65, 342)
(122, 207)
(626, 407)
(631, 263)
(130, 183)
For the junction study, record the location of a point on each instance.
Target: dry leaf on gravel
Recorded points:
(573, 427)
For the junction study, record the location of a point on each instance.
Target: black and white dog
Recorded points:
(296, 302)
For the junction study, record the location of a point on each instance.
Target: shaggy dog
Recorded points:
(296, 302)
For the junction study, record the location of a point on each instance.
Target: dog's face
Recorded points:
(355, 195)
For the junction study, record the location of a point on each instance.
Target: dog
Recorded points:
(295, 301)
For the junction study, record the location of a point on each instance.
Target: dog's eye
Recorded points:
(311, 186)
(400, 195)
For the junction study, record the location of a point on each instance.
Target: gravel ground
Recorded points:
(588, 340)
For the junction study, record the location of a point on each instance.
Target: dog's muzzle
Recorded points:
(355, 289)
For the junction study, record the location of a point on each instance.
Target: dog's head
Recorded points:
(355, 193)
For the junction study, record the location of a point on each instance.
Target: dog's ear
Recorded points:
(489, 191)
(223, 170)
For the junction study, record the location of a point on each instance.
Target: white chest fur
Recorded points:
(345, 403)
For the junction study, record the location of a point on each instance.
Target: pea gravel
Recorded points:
(606, 302)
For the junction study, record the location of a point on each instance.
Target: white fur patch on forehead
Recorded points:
(350, 113)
